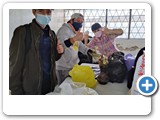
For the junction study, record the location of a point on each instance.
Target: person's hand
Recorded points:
(78, 37)
(86, 37)
(59, 47)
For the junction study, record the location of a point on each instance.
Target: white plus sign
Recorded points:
(147, 85)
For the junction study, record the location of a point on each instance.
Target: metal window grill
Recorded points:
(132, 21)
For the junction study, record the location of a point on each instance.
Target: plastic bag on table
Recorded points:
(83, 74)
(73, 88)
(65, 89)
(79, 88)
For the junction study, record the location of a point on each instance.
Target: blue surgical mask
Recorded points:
(77, 25)
(43, 19)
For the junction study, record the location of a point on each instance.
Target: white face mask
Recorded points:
(98, 34)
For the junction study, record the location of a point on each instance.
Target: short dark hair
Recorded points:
(95, 26)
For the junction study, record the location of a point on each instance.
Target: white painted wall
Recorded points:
(57, 19)
(19, 17)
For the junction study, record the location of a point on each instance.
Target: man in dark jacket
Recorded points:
(33, 72)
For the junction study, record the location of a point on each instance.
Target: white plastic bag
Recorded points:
(73, 88)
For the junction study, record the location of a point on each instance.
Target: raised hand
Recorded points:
(60, 48)
(78, 37)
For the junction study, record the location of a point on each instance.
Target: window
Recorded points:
(132, 21)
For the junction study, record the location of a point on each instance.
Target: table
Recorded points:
(109, 88)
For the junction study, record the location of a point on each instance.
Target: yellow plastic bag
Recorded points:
(83, 74)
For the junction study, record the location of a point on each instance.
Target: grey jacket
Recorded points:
(70, 56)
(25, 70)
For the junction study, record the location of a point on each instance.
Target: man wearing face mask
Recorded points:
(70, 36)
(33, 72)
(103, 41)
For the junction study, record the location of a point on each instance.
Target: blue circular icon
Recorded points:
(147, 85)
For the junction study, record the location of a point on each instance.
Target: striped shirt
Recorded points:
(103, 44)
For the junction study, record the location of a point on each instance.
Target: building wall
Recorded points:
(19, 17)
